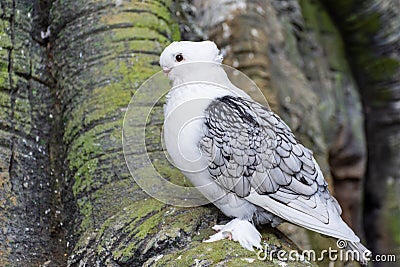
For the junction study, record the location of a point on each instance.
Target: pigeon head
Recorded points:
(177, 54)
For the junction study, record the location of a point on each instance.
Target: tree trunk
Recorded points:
(68, 71)
(31, 210)
(102, 55)
(371, 33)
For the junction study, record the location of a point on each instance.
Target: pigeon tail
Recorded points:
(359, 252)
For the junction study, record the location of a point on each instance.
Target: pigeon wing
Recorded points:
(250, 149)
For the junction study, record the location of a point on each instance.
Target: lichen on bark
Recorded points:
(69, 68)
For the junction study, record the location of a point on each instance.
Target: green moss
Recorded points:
(394, 222)
(22, 116)
(154, 17)
(73, 124)
(130, 45)
(144, 207)
(161, 224)
(5, 40)
(383, 69)
(153, 138)
(136, 33)
(135, 227)
(150, 227)
(309, 9)
(88, 145)
(86, 210)
(345, 6)
(82, 149)
(4, 82)
(378, 71)
(146, 176)
(5, 103)
(220, 253)
(188, 220)
(176, 36)
(149, 209)
(207, 253)
(83, 178)
(84, 156)
(117, 194)
(149, 20)
(172, 174)
(155, 7)
(145, 46)
(129, 74)
(369, 24)
(156, 116)
(392, 211)
(105, 103)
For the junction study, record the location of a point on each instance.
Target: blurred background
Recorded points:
(68, 68)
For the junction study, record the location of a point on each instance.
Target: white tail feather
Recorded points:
(361, 253)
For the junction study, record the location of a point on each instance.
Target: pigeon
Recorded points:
(242, 156)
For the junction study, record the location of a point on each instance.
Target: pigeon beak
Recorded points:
(166, 70)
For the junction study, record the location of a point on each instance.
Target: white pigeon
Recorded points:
(242, 156)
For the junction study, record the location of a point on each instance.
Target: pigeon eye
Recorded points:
(179, 57)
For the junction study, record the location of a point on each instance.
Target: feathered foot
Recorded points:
(238, 230)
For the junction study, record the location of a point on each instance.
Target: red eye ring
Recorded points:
(179, 57)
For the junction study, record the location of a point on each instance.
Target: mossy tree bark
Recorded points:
(30, 200)
(371, 33)
(67, 72)
(101, 55)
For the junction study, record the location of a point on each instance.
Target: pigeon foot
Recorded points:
(238, 230)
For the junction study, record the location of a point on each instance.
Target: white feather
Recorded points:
(335, 228)
(196, 85)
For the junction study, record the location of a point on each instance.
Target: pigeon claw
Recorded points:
(238, 230)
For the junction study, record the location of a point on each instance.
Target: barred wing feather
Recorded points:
(254, 154)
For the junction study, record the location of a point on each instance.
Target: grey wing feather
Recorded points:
(251, 148)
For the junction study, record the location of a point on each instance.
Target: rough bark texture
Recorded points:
(31, 211)
(68, 69)
(103, 54)
(371, 33)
